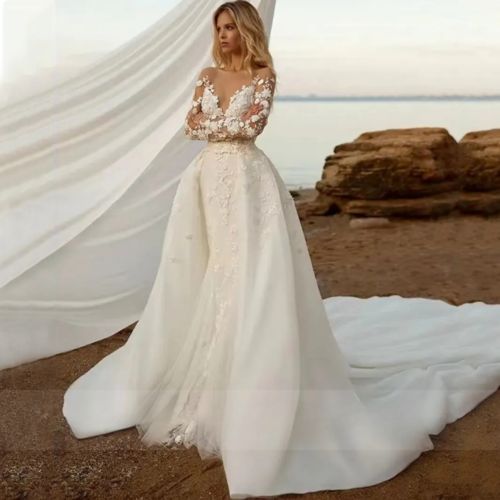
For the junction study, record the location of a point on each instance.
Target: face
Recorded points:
(227, 33)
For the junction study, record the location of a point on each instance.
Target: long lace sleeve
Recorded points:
(196, 121)
(219, 127)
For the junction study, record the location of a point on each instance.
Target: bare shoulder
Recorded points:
(266, 72)
(208, 72)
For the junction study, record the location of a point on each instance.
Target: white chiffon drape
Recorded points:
(88, 171)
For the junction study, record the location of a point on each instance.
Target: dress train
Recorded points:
(237, 353)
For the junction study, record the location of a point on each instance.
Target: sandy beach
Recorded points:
(453, 258)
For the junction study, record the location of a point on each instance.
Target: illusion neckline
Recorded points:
(211, 89)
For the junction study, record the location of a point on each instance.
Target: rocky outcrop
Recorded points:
(481, 154)
(412, 172)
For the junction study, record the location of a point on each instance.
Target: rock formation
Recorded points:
(411, 172)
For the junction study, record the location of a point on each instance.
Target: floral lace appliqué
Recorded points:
(215, 124)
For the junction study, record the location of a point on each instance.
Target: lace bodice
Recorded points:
(244, 118)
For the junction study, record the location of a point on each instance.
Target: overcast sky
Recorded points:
(326, 47)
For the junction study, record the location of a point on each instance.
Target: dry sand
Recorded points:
(454, 258)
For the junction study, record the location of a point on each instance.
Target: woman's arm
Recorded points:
(200, 126)
(194, 123)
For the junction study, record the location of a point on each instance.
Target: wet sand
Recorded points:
(453, 258)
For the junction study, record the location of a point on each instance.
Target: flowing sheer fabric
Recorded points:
(88, 171)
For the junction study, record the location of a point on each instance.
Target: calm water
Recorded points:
(300, 134)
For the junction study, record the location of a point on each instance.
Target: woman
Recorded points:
(234, 352)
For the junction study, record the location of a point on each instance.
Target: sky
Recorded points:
(322, 47)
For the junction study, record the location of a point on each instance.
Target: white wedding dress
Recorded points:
(237, 353)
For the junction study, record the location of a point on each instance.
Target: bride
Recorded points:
(237, 354)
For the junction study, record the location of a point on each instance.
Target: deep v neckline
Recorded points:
(211, 89)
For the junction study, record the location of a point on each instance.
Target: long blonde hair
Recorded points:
(254, 44)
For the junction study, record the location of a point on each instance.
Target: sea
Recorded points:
(302, 132)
